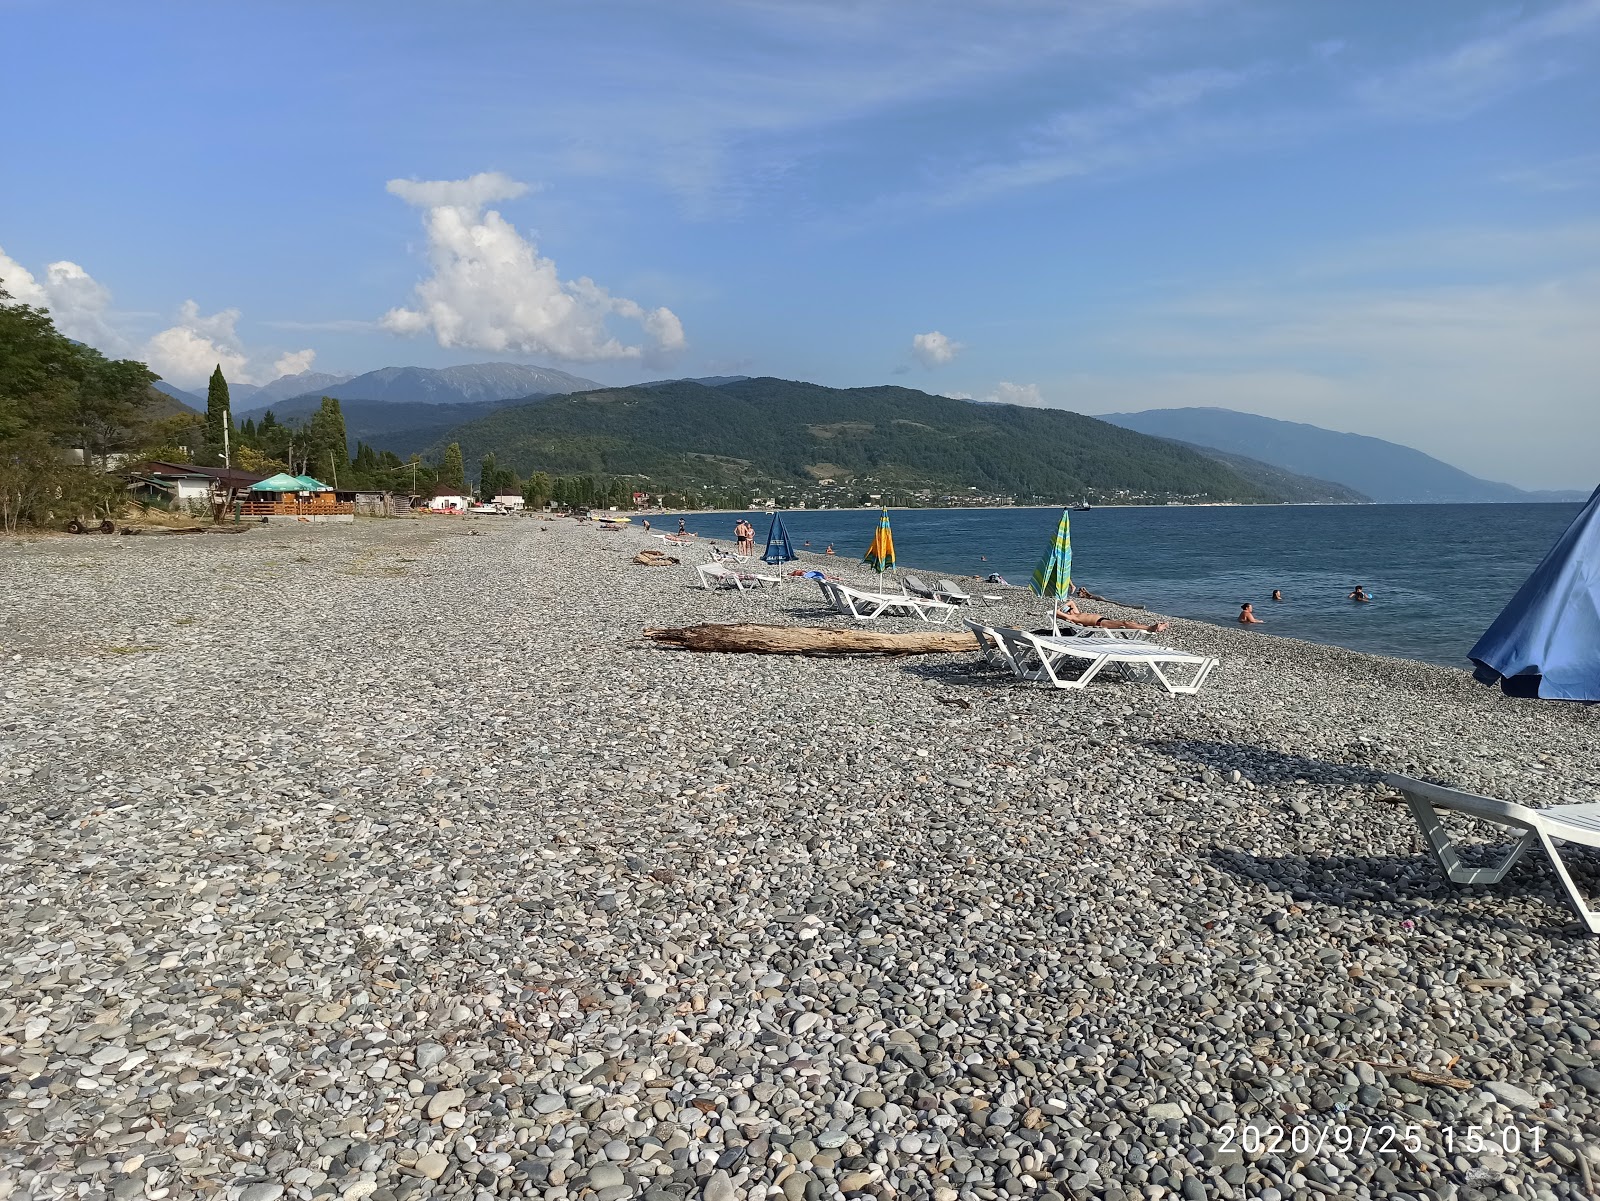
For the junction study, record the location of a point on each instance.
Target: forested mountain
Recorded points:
(769, 434)
(1385, 471)
(405, 428)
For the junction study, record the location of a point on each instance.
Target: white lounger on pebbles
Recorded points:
(1579, 823)
(867, 606)
(946, 591)
(715, 575)
(1041, 657)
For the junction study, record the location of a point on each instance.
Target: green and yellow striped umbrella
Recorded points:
(1053, 577)
(880, 555)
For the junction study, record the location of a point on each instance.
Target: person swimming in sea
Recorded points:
(1361, 596)
(1247, 616)
(1277, 594)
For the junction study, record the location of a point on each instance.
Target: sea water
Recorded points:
(1438, 574)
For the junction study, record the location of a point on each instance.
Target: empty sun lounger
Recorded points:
(868, 606)
(1053, 660)
(916, 587)
(1579, 823)
(715, 575)
(991, 647)
(950, 593)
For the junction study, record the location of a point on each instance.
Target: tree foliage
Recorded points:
(64, 408)
(219, 417)
(453, 471)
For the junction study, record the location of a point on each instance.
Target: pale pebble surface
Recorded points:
(386, 861)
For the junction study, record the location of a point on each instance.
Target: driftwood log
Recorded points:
(808, 640)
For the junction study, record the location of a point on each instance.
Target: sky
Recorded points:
(1381, 218)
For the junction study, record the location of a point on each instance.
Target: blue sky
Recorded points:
(1379, 218)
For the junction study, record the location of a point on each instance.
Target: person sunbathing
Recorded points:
(1079, 618)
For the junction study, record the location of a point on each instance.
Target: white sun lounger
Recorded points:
(1579, 823)
(990, 649)
(946, 591)
(1051, 660)
(715, 575)
(868, 606)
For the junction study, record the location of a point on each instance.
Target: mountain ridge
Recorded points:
(771, 436)
(1388, 472)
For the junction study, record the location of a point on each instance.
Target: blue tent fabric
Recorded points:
(1546, 642)
(778, 548)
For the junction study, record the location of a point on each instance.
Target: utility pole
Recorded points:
(227, 423)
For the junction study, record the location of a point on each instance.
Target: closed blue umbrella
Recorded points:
(1546, 642)
(778, 548)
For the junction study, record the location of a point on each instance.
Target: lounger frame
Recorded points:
(1543, 828)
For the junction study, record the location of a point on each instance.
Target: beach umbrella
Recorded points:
(1546, 642)
(1053, 577)
(880, 555)
(778, 548)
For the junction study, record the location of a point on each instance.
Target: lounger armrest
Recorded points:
(1488, 808)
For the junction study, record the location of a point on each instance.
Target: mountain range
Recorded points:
(765, 436)
(1385, 471)
(472, 383)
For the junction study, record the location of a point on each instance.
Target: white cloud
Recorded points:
(185, 353)
(935, 349)
(491, 290)
(78, 303)
(295, 362)
(1007, 393)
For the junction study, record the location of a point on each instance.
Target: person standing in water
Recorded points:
(1247, 616)
(1361, 596)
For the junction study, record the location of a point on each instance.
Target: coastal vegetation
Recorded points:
(792, 441)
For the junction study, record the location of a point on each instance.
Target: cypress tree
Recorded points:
(453, 471)
(219, 416)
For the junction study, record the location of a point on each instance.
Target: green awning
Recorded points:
(282, 482)
(308, 484)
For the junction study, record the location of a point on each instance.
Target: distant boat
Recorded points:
(1083, 508)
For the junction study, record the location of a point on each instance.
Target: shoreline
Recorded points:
(435, 882)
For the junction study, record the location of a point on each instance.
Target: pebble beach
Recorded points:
(388, 861)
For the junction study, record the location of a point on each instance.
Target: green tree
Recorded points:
(537, 493)
(453, 471)
(488, 478)
(219, 417)
(58, 395)
(327, 445)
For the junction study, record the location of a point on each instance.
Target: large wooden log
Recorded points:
(808, 640)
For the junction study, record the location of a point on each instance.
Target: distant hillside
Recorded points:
(764, 433)
(469, 384)
(1385, 471)
(286, 386)
(385, 424)
(1292, 488)
(177, 393)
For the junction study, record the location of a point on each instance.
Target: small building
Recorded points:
(449, 503)
(185, 484)
(511, 502)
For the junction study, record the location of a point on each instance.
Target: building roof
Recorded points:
(228, 477)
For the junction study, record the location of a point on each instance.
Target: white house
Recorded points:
(450, 504)
(511, 502)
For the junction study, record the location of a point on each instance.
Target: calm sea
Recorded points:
(1438, 573)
